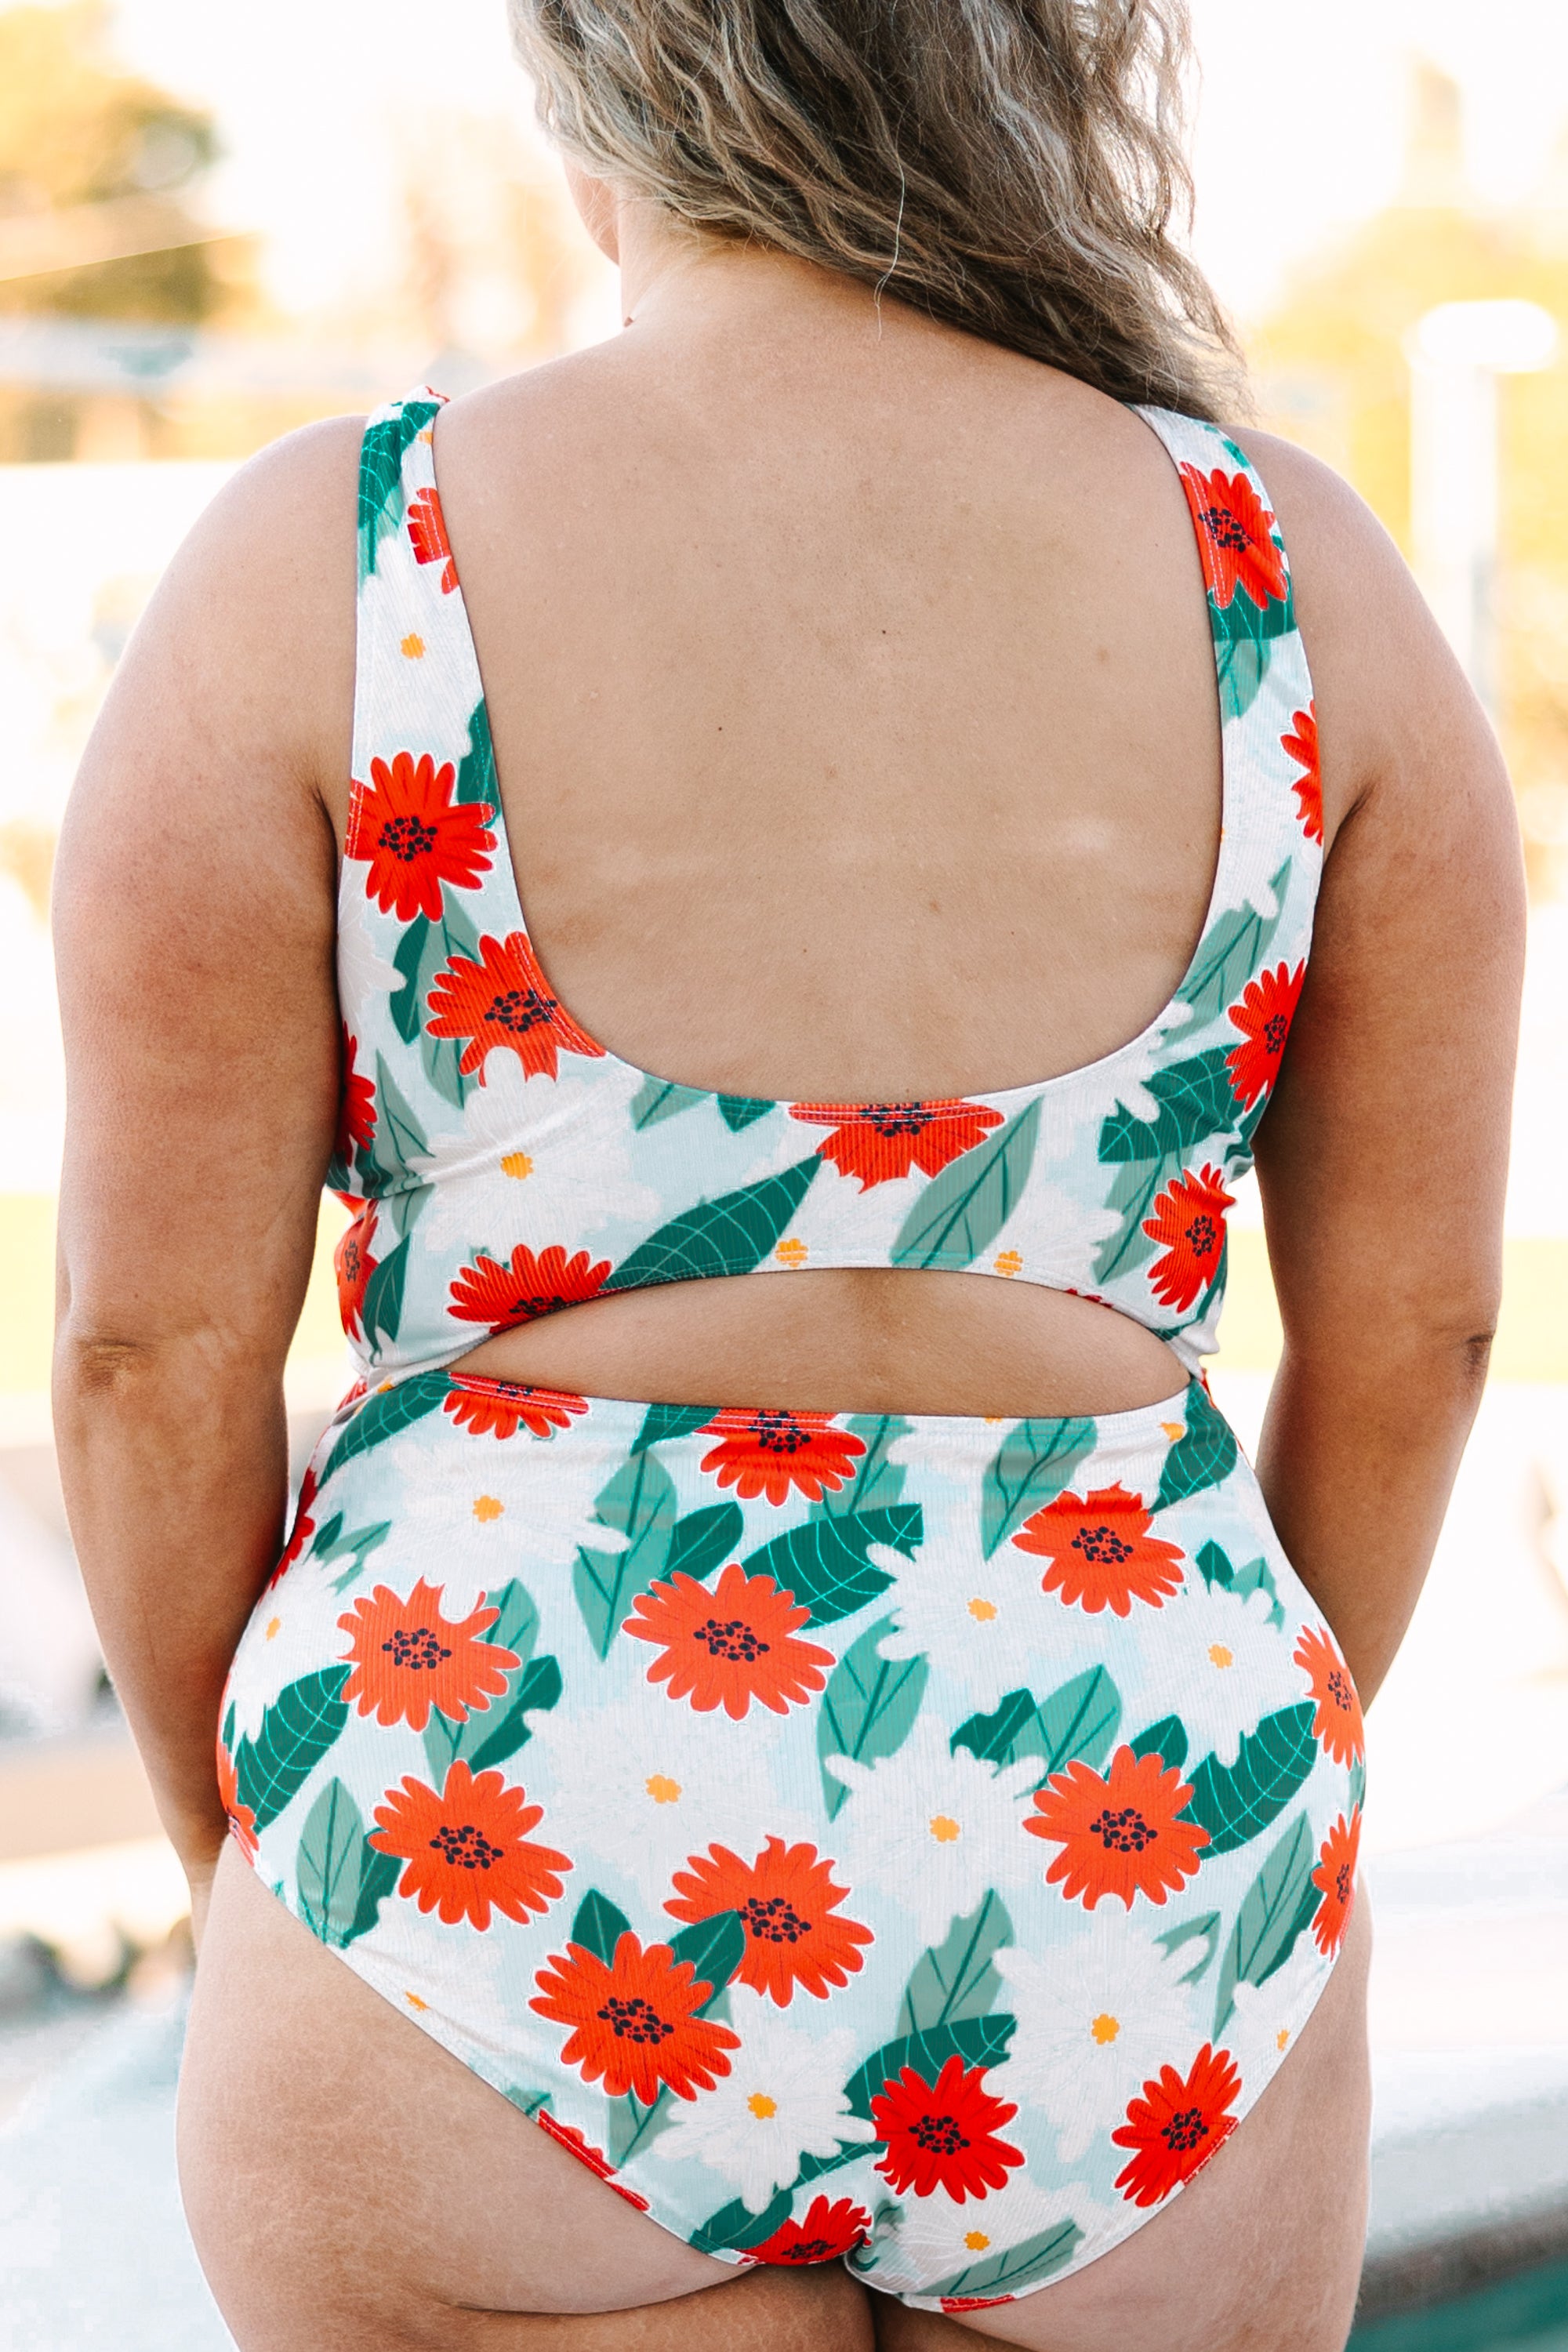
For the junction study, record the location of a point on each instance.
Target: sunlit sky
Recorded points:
(1300, 134)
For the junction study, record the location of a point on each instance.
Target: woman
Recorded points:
(884, 1812)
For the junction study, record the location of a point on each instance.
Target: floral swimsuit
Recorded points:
(904, 1839)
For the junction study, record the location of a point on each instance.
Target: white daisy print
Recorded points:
(494, 1195)
(983, 1619)
(1267, 2020)
(1097, 2017)
(929, 2244)
(1220, 1664)
(512, 1512)
(934, 1828)
(666, 1784)
(780, 2100)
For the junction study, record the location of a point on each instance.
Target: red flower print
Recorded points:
(1101, 1553)
(415, 837)
(730, 1647)
(1234, 537)
(879, 1141)
(466, 1850)
(768, 1453)
(1120, 1835)
(241, 1818)
(353, 1265)
(527, 1287)
(787, 1900)
(356, 1105)
(943, 2134)
(633, 2023)
(1303, 746)
(568, 2137)
(504, 1000)
(299, 1534)
(830, 2230)
(1264, 1016)
(1337, 1723)
(976, 2302)
(408, 1658)
(500, 1408)
(1189, 1222)
(1336, 1874)
(427, 534)
(1176, 2126)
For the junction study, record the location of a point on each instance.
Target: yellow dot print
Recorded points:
(411, 646)
(1282, 2037)
(274, 1626)
(944, 1829)
(1009, 1263)
(762, 2106)
(982, 1611)
(792, 1252)
(1105, 2028)
(1175, 1430)
(976, 2241)
(488, 1507)
(413, 2000)
(518, 1165)
(1220, 1656)
(662, 1789)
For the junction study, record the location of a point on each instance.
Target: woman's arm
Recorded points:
(193, 927)
(1384, 1157)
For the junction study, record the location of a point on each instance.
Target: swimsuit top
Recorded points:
(501, 1163)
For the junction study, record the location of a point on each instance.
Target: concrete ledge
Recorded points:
(1420, 2277)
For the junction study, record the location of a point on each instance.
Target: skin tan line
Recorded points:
(855, 724)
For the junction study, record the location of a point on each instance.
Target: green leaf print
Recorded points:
(1204, 1929)
(1244, 639)
(824, 1565)
(701, 1541)
(1077, 1724)
(1195, 1103)
(735, 2228)
(1215, 1565)
(1258, 1577)
(356, 1547)
(384, 1414)
(960, 1212)
(341, 1876)
(1167, 1739)
(516, 1629)
(715, 1947)
(1232, 952)
(1274, 1910)
(739, 1111)
(868, 1708)
(1025, 2265)
(1236, 1803)
(1032, 1467)
(599, 1926)
(876, 1481)
(1203, 1456)
(424, 950)
(396, 1123)
(381, 1313)
(640, 1501)
(955, 1979)
(380, 475)
(476, 768)
(296, 1732)
(659, 1098)
(1355, 1794)
(978, 2041)
(729, 1236)
(662, 1421)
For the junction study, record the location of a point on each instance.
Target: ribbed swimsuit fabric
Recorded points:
(912, 1840)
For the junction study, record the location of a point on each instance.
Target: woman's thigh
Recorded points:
(350, 2186)
(1260, 2252)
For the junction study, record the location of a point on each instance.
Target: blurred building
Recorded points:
(1332, 375)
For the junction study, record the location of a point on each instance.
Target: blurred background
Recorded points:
(215, 226)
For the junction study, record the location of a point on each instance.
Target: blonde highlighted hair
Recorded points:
(1013, 166)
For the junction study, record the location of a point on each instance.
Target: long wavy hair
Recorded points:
(1013, 166)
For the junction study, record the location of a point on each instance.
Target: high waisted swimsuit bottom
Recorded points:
(915, 1839)
(910, 1841)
